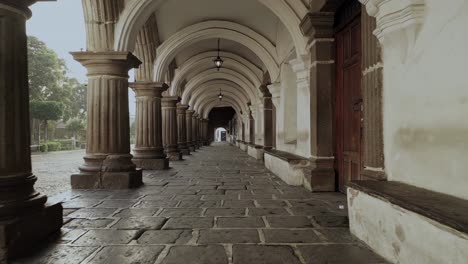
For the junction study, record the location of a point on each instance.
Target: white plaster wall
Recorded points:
(426, 102)
(283, 170)
(259, 139)
(402, 236)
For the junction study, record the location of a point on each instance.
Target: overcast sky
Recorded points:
(61, 26)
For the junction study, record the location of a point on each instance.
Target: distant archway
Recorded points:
(220, 134)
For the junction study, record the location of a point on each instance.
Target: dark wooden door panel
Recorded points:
(348, 103)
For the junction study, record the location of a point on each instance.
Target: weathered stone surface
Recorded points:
(166, 237)
(290, 236)
(210, 254)
(88, 223)
(289, 222)
(127, 254)
(240, 222)
(225, 212)
(228, 236)
(267, 211)
(59, 254)
(188, 223)
(337, 235)
(92, 213)
(271, 203)
(140, 223)
(136, 212)
(181, 212)
(105, 236)
(348, 254)
(264, 254)
(331, 221)
(116, 203)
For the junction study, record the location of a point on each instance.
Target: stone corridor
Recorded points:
(217, 206)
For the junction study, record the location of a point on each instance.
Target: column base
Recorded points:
(192, 148)
(152, 164)
(18, 235)
(107, 180)
(174, 156)
(320, 176)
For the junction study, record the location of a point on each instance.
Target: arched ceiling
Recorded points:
(257, 36)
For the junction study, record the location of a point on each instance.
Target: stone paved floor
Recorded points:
(53, 170)
(217, 206)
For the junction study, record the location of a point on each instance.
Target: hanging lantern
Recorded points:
(218, 62)
(220, 95)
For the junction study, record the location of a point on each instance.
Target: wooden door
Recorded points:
(348, 104)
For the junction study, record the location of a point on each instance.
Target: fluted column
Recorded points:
(182, 129)
(108, 163)
(22, 209)
(267, 118)
(169, 117)
(189, 121)
(205, 139)
(149, 151)
(200, 130)
(251, 129)
(195, 130)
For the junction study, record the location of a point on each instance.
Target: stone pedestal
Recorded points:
(149, 151)
(25, 219)
(108, 163)
(169, 118)
(182, 129)
(188, 120)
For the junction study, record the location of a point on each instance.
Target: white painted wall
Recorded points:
(426, 102)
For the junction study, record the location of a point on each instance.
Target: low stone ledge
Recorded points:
(407, 224)
(255, 151)
(287, 166)
(243, 146)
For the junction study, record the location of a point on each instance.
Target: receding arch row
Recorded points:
(204, 62)
(182, 39)
(213, 89)
(136, 13)
(226, 75)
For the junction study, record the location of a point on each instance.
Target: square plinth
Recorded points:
(152, 164)
(107, 180)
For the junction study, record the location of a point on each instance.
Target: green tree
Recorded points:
(75, 125)
(46, 111)
(47, 72)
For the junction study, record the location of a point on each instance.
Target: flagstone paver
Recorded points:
(218, 205)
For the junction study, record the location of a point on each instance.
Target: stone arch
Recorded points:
(136, 12)
(213, 87)
(232, 61)
(258, 44)
(213, 93)
(205, 108)
(231, 76)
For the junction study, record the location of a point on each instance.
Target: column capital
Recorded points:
(152, 89)
(114, 63)
(170, 101)
(182, 107)
(189, 113)
(195, 114)
(318, 25)
(264, 90)
(275, 89)
(18, 6)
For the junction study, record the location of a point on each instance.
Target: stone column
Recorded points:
(149, 151)
(169, 110)
(182, 129)
(267, 118)
(200, 131)
(318, 27)
(108, 163)
(195, 130)
(24, 218)
(188, 120)
(251, 128)
(205, 138)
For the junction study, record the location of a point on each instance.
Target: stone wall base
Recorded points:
(403, 236)
(19, 235)
(185, 151)
(192, 148)
(107, 180)
(152, 164)
(255, 152)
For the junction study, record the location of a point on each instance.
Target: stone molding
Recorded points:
(399, 22)
(108, 63)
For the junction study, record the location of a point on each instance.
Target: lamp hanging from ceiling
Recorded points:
(218, 62)
(220, 95)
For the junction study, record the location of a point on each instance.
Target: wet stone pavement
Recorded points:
(217, 206)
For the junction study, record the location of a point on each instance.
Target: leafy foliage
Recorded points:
(46, 110)
(75, 125)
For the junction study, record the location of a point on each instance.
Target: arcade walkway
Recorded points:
(217, 206)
